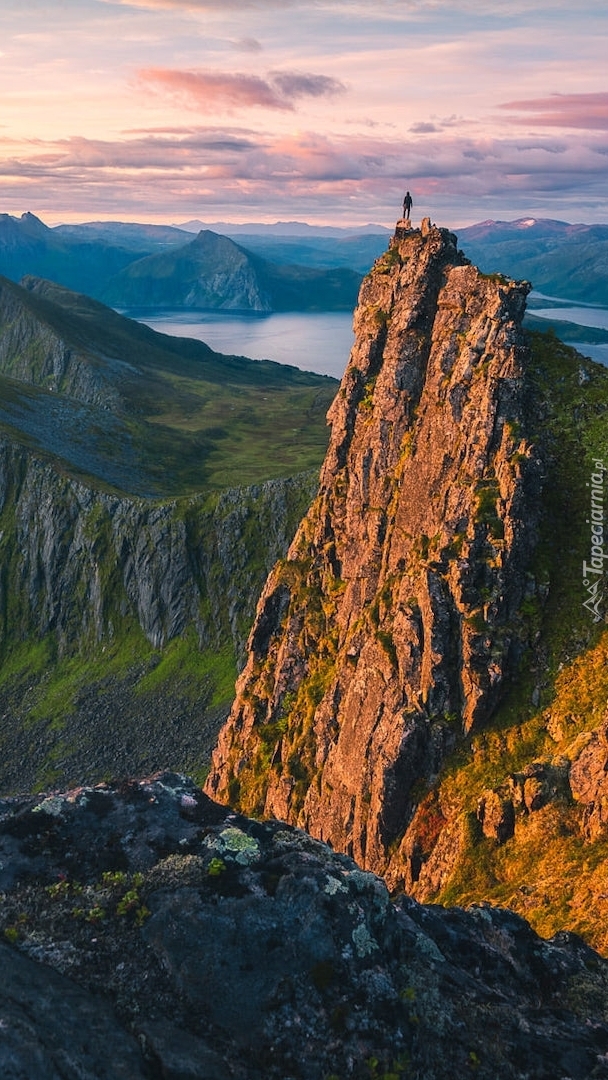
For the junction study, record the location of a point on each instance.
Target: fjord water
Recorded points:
(319, 341)
(581, 314)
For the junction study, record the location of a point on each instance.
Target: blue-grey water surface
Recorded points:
(582, 314)
(319, 342)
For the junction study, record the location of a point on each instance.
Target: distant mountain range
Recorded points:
(212, 272)
(291, 242)
(28, 246)
(562, 260)
(286, 228)
(133, 265)
(288, 266)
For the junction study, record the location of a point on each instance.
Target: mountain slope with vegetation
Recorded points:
(156, 415)
(563, 260)
(146, 488)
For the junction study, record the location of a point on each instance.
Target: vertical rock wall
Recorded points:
(76, 562)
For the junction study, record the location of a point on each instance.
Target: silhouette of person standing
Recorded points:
(407, 205)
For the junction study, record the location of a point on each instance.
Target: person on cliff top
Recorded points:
(407, 205)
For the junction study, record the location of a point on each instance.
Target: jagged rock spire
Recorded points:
(395, 620)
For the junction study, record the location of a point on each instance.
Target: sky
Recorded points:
(323, 111)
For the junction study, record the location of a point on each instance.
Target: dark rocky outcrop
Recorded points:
(149, 932)
(398, 616)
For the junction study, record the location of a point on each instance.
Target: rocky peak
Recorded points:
(396, 619)
(14, 232)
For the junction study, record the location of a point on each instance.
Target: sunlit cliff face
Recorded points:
(394, 622)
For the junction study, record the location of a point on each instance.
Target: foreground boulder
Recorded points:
(149, 932)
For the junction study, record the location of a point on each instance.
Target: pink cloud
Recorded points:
(208, 90)
(211, 5)
(307, 157)
(585, 111)
(205, 5)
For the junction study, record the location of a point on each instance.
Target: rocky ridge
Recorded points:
(399, 614)
(149, 932)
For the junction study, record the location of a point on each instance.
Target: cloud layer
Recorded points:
(208, 90)
(588, 112)
(236, 168)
